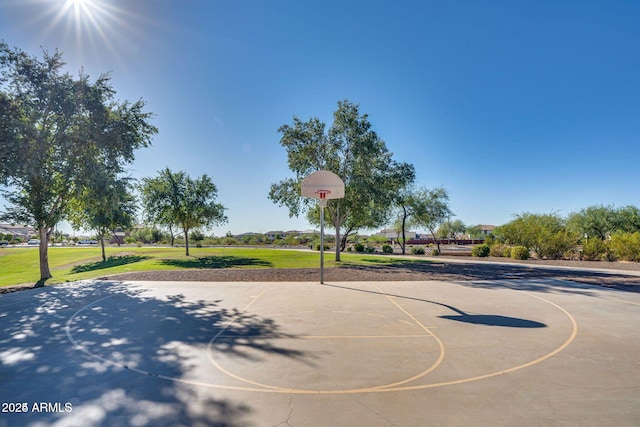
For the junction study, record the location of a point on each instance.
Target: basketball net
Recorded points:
(322, 196)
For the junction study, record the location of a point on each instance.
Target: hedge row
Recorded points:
(500, 250)
(620, 246)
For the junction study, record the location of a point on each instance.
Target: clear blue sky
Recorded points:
(512, 106)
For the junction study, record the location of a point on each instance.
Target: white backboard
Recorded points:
(323, 182)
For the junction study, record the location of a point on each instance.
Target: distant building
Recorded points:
(487, 229)
(118, 237)
(22, 232)
(424, 235)
(273, 235)
(479, 231)
(393, 234)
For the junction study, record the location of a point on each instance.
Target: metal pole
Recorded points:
(322, 202)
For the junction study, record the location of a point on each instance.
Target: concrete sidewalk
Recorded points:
(517, 352)
(609, 268)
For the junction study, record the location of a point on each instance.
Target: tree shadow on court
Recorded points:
(221, 261)
(112, 261)
(121, 356)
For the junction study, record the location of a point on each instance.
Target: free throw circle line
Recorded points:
(572, 336)
(269, 387)
(434, 366)
(272, 389)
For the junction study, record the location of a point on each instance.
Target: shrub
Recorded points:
(229, 241)
(594, 249)
(435, 252)
(326, 247)
(490, 239)
(370, 249)
(387, 249)
(506, 252)
(610, 255)
(626, 246)
(418, 250)
(519, 252)
(497, 250)
(480, 251)
(554, 246)
(571, 254)
(359, 247)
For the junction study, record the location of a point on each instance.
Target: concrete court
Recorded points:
(486, 353)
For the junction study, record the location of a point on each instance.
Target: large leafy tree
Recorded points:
(475, 231)
(628, 219)
(158, 202)
(173, 198)
(451, 229)
(430, 209)
(546, 234)
(104, 207)
(354, 152)
(600, 221)
(405, 204)
(55, 131)
(596, 221)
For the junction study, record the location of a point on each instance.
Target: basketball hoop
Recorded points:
(322, 185)
(322, 196)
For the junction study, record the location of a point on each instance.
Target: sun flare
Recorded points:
(92, 33)
(80, 7)
(93, 29)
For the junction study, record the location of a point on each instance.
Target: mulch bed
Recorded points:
(409, 271)
(402, 272)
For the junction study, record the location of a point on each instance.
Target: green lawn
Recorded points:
(21, 265)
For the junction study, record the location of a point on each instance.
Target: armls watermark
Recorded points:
(29, 407)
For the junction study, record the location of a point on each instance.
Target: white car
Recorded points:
(33, 242)
(88, 242)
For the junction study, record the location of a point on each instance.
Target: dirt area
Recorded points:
(443, 269)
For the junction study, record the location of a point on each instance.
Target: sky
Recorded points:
(512, 106)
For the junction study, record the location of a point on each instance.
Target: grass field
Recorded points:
(21, 265)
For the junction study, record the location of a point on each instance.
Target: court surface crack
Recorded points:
(286, 422)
